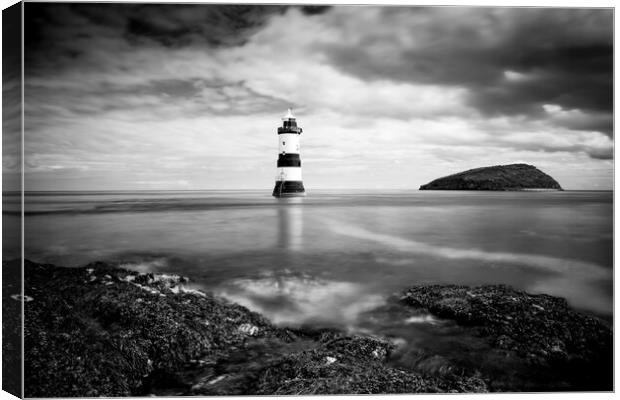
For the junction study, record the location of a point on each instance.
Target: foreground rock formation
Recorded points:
(499, 177)
(568, 349)
(105, 331)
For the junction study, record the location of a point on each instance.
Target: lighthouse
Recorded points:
(288, 177)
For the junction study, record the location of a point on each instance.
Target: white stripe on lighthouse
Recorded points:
(288, 143)
(289, 174)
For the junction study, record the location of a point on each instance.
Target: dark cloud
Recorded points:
(512, 61)
(63, 32)
(57, 37)
(603, 154)
(315, 10)
(217, 25)
(601, 122)
(588, 143)
(598, 153)
(11, 44)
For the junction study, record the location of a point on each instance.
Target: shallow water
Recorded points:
(330, 259)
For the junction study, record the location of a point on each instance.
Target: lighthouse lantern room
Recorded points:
(288, 178)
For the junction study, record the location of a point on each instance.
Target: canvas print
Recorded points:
(255, 199)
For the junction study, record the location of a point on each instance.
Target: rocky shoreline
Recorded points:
(101, 330)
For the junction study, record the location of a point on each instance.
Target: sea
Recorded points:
(336, 258)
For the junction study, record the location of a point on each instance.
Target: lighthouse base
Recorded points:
(289, 189)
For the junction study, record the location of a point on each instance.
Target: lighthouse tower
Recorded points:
(288, 178)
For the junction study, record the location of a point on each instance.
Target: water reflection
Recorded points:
(293, 299)
(290, 224)
(582, 283)
(558, 243)
(579, 269)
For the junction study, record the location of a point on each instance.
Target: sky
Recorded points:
(188, 97)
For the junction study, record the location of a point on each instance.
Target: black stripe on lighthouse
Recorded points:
(288, 187)
(289, 160)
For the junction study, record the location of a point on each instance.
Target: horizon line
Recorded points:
(268, 190)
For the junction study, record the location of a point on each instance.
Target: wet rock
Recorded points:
(12, 327)
(541, 329)
(347, 365)
(142, 334)
(248, 329)
(121, 337)
(435, 365)
(19, 297)
(359, 348)
(121, 332)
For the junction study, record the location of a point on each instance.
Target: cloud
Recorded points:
(11, 100)
(576, 119)
(170, 25)
(510, 60)
(218, 25)
(116, 90)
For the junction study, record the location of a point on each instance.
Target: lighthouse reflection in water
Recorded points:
(291, 295)
(291, 224)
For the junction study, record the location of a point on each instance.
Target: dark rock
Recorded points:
(132, 334)
(12, 327)
(541, 329)
(499, 177)
(106, 331)
(103, 340)
(353, 365)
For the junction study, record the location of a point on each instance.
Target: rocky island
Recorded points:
(499, 177)
(101, 330)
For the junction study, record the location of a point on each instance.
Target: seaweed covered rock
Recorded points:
(102, 331)
(12, 327)
(499, 177)
(541, 329)
(353, 364)
(107, 331)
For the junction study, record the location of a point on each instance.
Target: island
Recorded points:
(513, 177)
(101, 330)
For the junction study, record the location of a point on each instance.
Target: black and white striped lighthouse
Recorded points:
(288, 178)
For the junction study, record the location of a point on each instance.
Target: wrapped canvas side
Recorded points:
(12, 194)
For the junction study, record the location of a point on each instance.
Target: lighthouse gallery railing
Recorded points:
(291, 129)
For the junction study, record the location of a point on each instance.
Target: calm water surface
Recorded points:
(331, 258)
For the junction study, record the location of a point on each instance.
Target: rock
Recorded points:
(144, 334)
(248, 329)
(126, 341)
(357, 371)
(12, 327)
(435, 365)
(499, 177)
(19, 297)
(541, 329)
